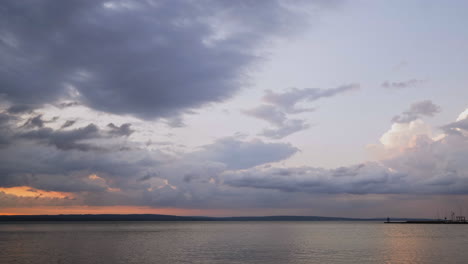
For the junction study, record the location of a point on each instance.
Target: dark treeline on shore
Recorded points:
(156, 217)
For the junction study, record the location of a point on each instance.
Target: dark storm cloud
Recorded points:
(65, 140)
(417, 110)
(19, 109)
(402, 85)
(145, 58)
(6, 133)
(281, 105)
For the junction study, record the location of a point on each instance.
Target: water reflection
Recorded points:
(231, 242)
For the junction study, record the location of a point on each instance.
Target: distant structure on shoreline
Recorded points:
(460, 219)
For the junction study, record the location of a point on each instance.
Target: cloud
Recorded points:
(65, 140)
(68, 123)
(402, 85)
(359, 179)
(403, 135)
(417, 110)
(236, 154)
(63, 166)
(5, 118)
(287, 128)
(269, 113)
(460, 126)
(280, 106)
(142, 58)
(463, 115)
(175, 122)
(15, 129)
(6, 128)
(35, 122)
(18, 109)
(288, 100)
(73, 160)
(419, 166)
(68, 104)
(9, 199)
(230, 173)
(122, 130)
(161, 60)
(429, 167)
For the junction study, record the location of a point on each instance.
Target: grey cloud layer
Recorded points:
(158, 59)
(237, 154)
(229, 173)
(62, 160)
(281, 105)
(456, 127)
(402, 85)
(417, 110)
(145, 58)
(289, 99)
(287, 128)
(122, 130)
(428, 168)
(65, 140)
(150, 59)
(361, 179)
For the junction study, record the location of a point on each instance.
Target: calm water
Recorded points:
(232, 242)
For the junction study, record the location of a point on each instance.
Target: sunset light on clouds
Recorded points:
(25, 191)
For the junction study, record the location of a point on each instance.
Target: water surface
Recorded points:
(231, 242)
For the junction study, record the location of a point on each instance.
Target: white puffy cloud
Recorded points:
(403, 135)
(463, 115)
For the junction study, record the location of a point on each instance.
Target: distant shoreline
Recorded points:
(154, 217)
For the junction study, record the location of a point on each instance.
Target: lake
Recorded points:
(231, 242)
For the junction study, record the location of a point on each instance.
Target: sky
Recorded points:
(230, 108)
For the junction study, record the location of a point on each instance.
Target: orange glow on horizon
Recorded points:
(26, 191)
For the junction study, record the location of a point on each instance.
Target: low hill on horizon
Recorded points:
(158, 217)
